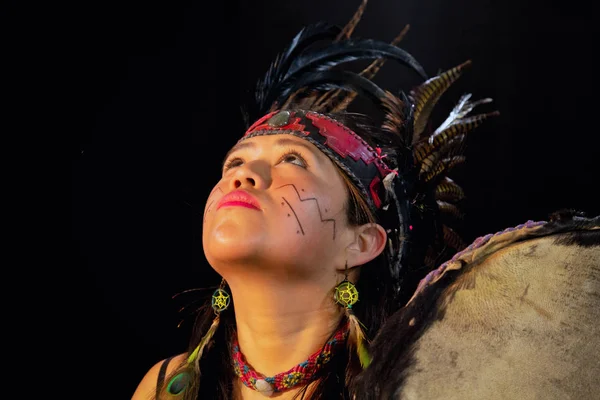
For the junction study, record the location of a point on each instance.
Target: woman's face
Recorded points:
(279, 207)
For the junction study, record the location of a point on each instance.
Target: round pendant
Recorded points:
(220, 300)
(346, 294)
(264, 387)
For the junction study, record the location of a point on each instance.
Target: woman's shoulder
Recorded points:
(146, 389)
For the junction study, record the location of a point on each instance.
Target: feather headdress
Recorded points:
(313, 79)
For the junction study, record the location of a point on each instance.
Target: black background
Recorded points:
(159, 89)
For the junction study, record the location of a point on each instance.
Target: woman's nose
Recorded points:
(254, 174)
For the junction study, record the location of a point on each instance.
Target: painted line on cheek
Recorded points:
(289, 205)
(307, 199)
(216, 188)
(207, 209)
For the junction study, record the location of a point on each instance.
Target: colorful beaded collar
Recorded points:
(297, 376)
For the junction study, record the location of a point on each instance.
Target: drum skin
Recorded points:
(514, 316)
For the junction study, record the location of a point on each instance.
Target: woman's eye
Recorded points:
(294, 158)
(234, 162)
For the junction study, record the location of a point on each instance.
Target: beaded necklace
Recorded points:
(298, 375)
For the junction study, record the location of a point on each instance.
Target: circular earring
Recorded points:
(346, 293)
(220, 298)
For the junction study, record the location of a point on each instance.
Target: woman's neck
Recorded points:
(280, 326)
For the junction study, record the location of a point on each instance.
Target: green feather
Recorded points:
(358, 338)
(363, 354)
(195, 356)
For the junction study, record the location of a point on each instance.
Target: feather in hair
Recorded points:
(426, 96)
(314, 65)
(323, 60)
(369, 72)
(186, 376)
(338, 79)
(278, 70)
(353, 50)
(358, 339)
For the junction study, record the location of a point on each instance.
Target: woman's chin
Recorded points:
(231, 248)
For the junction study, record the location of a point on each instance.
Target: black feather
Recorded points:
(281, 81)
(335, 79)
(276, 73)
(352, 50)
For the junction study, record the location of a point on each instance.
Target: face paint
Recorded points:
(324, 220)
(209, 204)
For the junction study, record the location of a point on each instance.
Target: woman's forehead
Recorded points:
(278, 140)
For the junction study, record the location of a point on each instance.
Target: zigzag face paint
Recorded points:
(303, 199)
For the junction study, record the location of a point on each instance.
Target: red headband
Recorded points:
(363, 163)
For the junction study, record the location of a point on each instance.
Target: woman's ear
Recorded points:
(369, 242)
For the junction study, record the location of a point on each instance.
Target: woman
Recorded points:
(322, 224)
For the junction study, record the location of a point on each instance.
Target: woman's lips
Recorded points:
(238, 198)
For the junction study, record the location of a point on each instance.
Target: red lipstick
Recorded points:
(238, 198)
